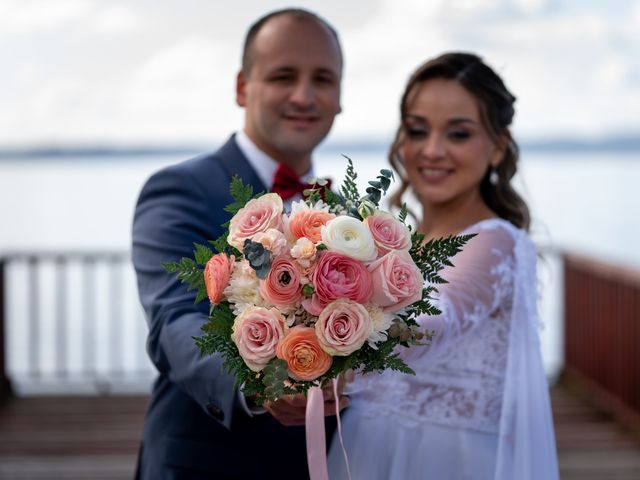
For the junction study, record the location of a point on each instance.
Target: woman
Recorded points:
(478, 406)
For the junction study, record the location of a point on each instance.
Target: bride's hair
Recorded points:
(496, 112)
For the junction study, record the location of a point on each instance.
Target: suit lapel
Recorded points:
(235, 163)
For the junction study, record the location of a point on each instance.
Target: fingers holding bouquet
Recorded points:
(291, 409)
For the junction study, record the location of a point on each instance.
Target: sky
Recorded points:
(162, 72)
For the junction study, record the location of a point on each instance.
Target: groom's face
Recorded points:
(291, 93)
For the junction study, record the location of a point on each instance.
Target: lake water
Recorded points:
(583, 202)
(586, 203)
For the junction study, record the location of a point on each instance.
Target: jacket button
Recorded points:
(215, 412)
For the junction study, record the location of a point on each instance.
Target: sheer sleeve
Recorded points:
(478, 285)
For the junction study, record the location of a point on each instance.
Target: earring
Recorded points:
(494, 178)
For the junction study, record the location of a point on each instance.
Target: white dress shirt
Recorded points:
(264, 166)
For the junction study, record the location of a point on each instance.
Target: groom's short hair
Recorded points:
(297, 13)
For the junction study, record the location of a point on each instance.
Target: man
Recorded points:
(198, 425)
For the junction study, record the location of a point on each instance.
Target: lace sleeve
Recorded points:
(479, 284)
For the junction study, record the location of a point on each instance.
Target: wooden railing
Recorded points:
(70, 320)
(602, 335)
(5, 385)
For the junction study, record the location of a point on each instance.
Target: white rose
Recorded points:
(349, 236)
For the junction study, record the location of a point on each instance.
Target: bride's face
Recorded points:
(446, 148)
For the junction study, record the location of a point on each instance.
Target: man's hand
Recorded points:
(291, 409)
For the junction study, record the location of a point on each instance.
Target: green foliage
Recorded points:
(202, 254)
(275, 374)
(308, 290)
(432, 256)
(220, 244)
(402, 216)
(349, 188)
(190, 273)
(241, 194)
(383, 358)
(378, 188)
(220, 322)
(331, 198)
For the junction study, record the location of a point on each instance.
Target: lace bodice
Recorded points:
(460, 377)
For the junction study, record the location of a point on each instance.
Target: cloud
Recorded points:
(116, 19)
(30, 16)
(188, 88)
(38, 17)
(572, 69)
(154, 71)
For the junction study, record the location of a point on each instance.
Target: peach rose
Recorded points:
(388, 232)
(216, 276)
(304, 254)
(258, 215)
(397, 281)
(308, 224)
(338, 276)
(282, 286)
(273, 240)
(257, 332)
(304, 355)
(343, 327)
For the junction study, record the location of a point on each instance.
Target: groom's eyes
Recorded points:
(325, 79)
(282, 78)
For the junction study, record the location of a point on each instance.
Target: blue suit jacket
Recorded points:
(193, 428)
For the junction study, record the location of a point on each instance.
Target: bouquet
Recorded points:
(298, 298)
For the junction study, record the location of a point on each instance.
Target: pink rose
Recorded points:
(282, 286)
(216, 276)
(257, 332)
(388, 232)
(258, 215)
(304, 356)
(338, 276)
(343, 327)
(397, 281)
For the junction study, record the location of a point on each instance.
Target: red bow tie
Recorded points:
(287, 184)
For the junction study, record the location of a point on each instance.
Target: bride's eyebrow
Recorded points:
(461, 120)
(415, 118)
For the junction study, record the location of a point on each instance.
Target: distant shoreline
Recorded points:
(616, 145)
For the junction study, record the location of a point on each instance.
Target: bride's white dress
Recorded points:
(478, 407)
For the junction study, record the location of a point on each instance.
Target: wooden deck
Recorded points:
(97, 438)
(70, 437)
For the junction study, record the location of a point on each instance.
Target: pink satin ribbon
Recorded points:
(316, 439)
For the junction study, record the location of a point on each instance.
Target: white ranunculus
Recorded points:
(351, 237)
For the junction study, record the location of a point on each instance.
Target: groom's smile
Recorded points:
(301, 122)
